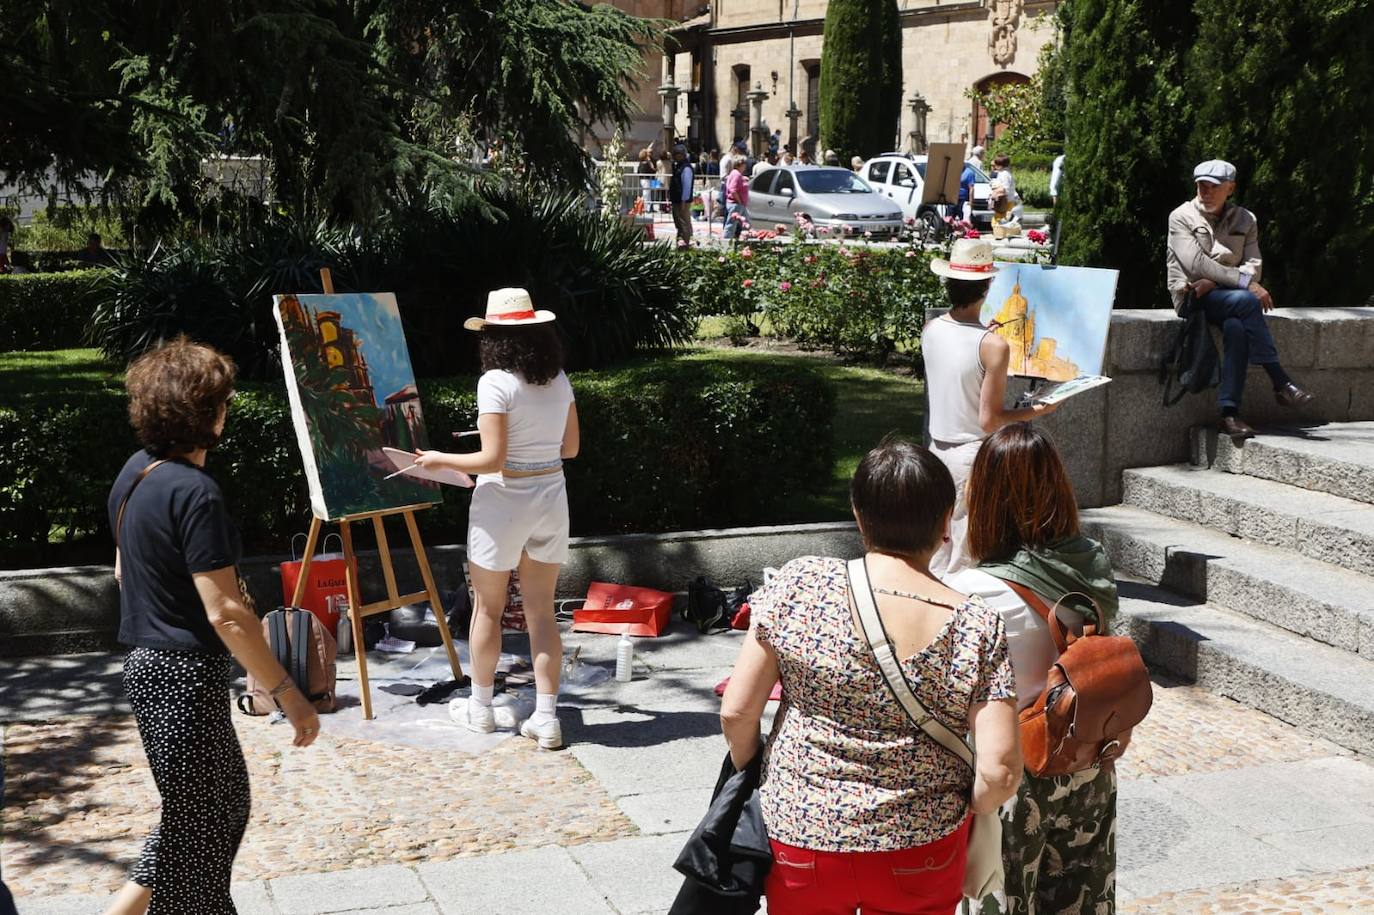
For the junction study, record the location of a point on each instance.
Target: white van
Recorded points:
(901, 178)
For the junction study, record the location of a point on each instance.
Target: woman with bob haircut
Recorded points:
(1059, 835)
(864, 811)
(527, 418)
(182, 616)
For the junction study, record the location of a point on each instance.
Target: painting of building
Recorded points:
(352, 392)
(1054, 318)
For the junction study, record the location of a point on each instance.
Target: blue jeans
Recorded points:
(732, 224)
(1245, 339)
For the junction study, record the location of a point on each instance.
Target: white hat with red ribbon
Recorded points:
(969, 259)
(509, 308)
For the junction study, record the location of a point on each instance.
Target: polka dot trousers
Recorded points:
(181, 703)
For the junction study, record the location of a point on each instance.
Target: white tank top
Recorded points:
(954, 379)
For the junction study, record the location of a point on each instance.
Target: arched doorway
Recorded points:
(985, 132)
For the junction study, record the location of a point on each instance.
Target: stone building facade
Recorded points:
(726, 49)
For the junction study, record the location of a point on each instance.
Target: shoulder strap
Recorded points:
(1051, 616)
(142, 475)
(300, 651)
(876, 636)
(276, 638)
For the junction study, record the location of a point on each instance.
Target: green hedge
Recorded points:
(666, 445)
(45, 310)
(857, 301)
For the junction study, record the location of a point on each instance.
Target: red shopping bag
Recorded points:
(623, 608)
(326, 591)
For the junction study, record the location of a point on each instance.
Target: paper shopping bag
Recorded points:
(326, 590)
(623, 608)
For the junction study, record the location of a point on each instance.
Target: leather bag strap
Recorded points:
(876, 635)
(124, 503)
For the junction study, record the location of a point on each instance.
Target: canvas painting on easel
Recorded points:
(352, 393)
(1055, 318)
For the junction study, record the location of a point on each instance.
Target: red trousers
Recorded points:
(926, 880)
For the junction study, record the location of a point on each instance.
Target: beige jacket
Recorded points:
(1202, 247)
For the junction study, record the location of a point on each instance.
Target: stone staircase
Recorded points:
(1251, 571)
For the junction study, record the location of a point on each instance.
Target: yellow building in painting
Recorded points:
(1015, 323)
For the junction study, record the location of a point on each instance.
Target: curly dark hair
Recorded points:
(175, 394)
(533, 351)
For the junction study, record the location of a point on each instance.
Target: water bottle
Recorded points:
(345, 628)
(624, 659)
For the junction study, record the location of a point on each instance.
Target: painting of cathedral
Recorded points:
(1055, 318)
(352, 392)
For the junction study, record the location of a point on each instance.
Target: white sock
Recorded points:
(482, 694)
(545, 705)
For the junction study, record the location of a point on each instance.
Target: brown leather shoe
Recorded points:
(1290, 395)
(1237, 428)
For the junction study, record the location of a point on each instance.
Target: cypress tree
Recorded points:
(1286, 98)
(1127, 124)
(861, 77)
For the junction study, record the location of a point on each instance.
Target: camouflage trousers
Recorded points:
(1059, 847)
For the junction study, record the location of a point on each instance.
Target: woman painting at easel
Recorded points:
(519, 518)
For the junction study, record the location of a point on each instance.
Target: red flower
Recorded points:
(973, 233)
(785, 286)
(747, 283)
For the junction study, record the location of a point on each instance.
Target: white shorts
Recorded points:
(518, 515)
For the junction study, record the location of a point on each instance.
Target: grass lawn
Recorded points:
(870, 403)
(60, 371)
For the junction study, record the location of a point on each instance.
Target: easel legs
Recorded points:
(357, 612)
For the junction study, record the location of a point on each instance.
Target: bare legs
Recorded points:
(537, 583)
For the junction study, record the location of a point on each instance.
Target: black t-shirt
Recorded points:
(175, 524)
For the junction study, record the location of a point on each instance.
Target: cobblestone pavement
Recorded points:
(1223, 810)
(80, 798)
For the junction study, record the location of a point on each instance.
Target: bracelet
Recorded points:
(281, 687)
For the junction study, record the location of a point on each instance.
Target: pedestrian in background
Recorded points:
(736, 197)
(856, 163)
(645, 170)
(1059, 834)
(864, 810)
(680, 192)
(182, 614)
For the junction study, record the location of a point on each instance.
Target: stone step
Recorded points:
(1315, 599)
(1317, 525)
(1323, 690)
(1337, 457)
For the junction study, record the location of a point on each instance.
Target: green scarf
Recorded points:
(1072, 564)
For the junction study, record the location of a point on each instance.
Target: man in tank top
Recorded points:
(966, 383)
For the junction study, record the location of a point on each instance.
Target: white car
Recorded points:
(901, 178)
(835, 198)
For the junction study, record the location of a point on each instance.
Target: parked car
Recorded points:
(832, 197)
(901, 178)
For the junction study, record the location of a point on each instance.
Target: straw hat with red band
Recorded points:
(969, 259)
(509, 308)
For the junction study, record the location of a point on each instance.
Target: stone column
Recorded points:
(669, 93)
(793, 116)
(758, 134)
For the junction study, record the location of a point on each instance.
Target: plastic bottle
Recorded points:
(624, 659)
(345, 630)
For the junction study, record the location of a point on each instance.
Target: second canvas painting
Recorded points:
(1055, 318)
(352, 393)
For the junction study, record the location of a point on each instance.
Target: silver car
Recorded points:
(834, 198)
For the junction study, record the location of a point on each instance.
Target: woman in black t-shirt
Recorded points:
(182, 615)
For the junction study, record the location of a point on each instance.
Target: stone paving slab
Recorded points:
(340, 891)
(540, 880)
(1345, 892)
(636, 874)
(666, 811)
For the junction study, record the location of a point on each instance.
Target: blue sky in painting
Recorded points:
(1071, 304)
(377, 322)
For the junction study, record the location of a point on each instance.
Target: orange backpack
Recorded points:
(1096, 691)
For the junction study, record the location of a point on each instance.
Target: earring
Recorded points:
(946, 538)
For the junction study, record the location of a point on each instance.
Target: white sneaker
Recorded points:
(482, 720)
(548, 733)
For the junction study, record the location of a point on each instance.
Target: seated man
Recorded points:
(1214, 253)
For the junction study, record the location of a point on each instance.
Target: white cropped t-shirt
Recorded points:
(536, 415)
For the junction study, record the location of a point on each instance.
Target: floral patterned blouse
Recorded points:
(845, 769)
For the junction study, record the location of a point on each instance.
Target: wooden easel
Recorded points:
(357, 610)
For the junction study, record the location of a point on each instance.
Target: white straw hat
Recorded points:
(509, 308)
(969, 259)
